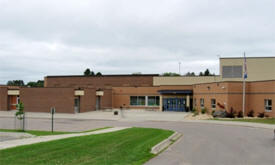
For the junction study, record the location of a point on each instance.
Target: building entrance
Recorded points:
(174, 104)
(77, 105)
(97, 105)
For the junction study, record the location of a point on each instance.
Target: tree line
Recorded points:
(205, 73)
(88, 72)
(39, 83)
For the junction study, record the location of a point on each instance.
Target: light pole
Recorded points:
(179, 67)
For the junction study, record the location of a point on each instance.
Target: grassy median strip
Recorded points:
(129, 146)
(256, 120)
(45, 133)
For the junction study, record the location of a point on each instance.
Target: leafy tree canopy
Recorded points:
(190, 74)
(170, 74)
(206, 73)
(89, 72)
(16, 83)
(98, 74)
(39, 83)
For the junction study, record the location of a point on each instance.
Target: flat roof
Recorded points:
(110, 75)
(246, 57)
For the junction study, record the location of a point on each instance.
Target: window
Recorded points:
(202, 102)
(153, 101)
(232, 71)
(213, 103)
(17, 100)
(268, 105)
(137, 100)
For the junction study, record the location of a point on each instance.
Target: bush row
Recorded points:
(228, 114)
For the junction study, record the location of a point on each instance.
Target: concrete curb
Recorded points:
(165, 143)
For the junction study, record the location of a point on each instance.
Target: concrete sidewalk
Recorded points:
(5, 136)
(134, 116)
(98, 115)
(38, 139)
(124, 115)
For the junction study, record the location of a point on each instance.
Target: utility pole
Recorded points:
(179, 67)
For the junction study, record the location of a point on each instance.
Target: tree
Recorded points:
(190, 74)
(20, 113)
(16, 83)
(98, 74)
(207, 73)
(39, 83)
(137, 73)
(87, 72)
(170, 74)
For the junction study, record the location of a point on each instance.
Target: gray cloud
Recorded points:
(39, 38)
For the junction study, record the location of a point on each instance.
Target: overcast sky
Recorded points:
(64, 37)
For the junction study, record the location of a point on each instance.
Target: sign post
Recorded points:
(52, 112)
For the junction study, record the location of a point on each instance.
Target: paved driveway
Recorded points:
(201, 144)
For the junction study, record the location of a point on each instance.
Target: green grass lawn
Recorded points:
(44, 133)
(125, 147)
(256, 120)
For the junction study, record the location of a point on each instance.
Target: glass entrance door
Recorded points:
(174, 104)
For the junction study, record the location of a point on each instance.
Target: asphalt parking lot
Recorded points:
(201, 144)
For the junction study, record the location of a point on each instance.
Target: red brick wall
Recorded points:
(210, 91)
(3, 98)
(121, 95)
(106, 99)
(98, 82)
(42, 99)
(257, 92)
(231, 93)
(87, 102)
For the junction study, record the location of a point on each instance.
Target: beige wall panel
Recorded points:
(258, 68)
(13, 92)
(79, 92)
(182, 80)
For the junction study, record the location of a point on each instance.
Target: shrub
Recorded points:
(266, 115)
(193, 110)
(204, 110)
(240, 114)
(231, 113)
(250, 113)
(213, 112)
(261, 115)
(219, 113)
(195, 113)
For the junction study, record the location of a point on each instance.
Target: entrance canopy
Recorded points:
(175, 92)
